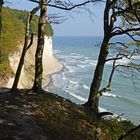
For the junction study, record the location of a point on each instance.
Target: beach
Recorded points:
(51, 64)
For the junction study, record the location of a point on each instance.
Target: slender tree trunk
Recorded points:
(1, 3)
(94, 95)
(21, 62)
(40, 46)
(26, 46)
(93, 100)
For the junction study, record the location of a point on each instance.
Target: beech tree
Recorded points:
(27, 44)
(40, 45)
(63, 5)
(1, 3)
(115, 11)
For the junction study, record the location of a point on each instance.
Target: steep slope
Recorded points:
(50, 64)
(12, 36)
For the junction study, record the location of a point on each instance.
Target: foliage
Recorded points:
(13, 32)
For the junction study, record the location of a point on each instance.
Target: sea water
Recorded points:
(79, 56)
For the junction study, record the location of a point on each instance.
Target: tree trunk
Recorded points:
(25, 48)
(94, 95)
(93, 100)
(40, 46)
(1, 3)
(21, 62)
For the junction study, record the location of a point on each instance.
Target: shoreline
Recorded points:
(49, 76)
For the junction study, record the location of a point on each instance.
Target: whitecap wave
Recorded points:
(86, 87)
(107, 94)
(76, 56)
(73, 82)
(123, 61)
(83, 66)
(136, 57)
(102, 109)
(60, 80)
(71, 69)
(77, 96)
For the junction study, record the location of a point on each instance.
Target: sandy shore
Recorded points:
(51, 65)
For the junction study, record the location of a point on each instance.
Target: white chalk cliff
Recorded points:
(50, 64)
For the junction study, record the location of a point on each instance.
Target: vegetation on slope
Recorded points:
(13, 33)
(27, 115)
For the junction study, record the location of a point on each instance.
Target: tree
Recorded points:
(114, 12)
(27, 45)
(40, 45)
(1, 3)
(41, 32)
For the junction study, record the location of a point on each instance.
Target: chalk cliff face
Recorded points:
(50, 64)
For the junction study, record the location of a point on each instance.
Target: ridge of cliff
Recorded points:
(50, 64)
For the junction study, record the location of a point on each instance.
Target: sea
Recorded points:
(79, 56)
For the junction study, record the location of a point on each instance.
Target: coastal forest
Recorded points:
(37, 114)
(11, 37)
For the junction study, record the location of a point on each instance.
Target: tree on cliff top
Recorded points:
(63, 5)
(114, 12)
(27, 44)
(1, 3)
(40, 46)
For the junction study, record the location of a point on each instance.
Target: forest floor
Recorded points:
(25, 115)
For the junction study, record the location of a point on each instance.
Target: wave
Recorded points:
(109, 62)
(59, 80)
(71, 69)
(73, 53)
(123, 61)
(73, 82)
(91, 62)
(102, 109)
(56, 51)
(76, 56)
(130, 101)
(107, 94)
(77, 96)
(86, 87)
(83, 66)
(136, 57)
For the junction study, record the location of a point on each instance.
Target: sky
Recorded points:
(78, 22)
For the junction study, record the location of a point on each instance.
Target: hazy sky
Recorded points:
(77, 23)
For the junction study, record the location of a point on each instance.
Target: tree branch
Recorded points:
(31, 41)
(110, 59)
(126, 31)
(72, 7)
(36, 1)
(120, 43)
(33, 12)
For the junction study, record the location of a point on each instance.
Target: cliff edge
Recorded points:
(50, 64)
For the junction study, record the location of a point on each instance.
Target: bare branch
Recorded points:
(110, 59)
(126, 31)
(72, 7)
(33, 12)
(120, 43)
(131, 66)
(36, 1)
(31, 41)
